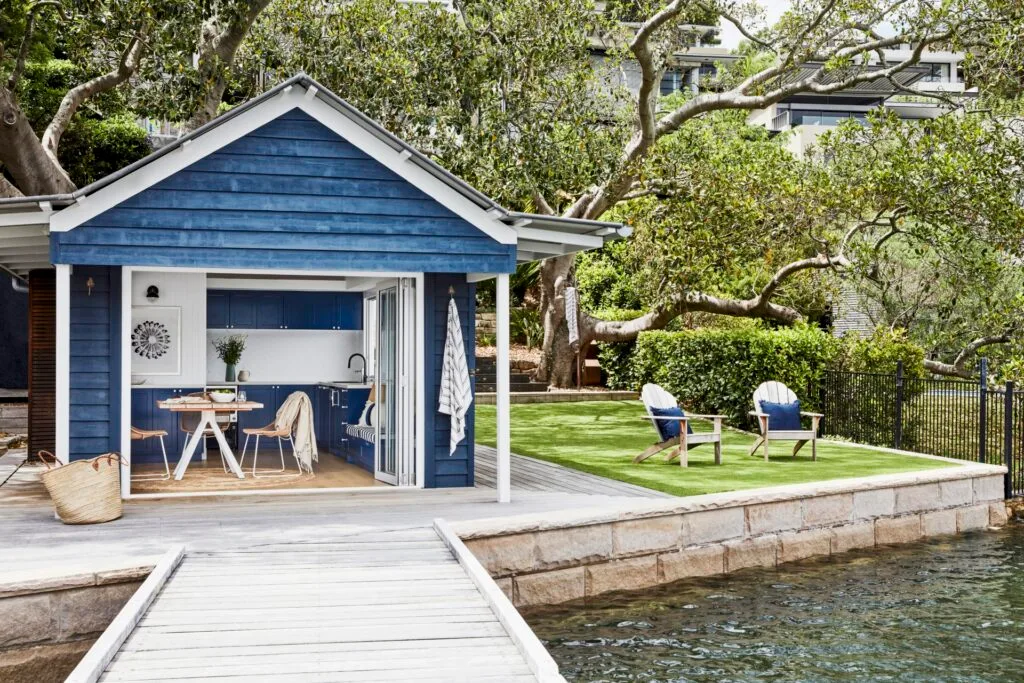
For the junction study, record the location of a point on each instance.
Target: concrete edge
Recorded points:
(631, 510)
(103, 650)
(537, 657)
(27, 582)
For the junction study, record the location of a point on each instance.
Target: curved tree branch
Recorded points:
(821, 81)
(74, 98)
(760, 306)
(8, 190)
(958, 368)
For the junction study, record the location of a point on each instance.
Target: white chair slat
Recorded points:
(773, 392)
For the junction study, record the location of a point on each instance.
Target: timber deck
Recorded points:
(531, 474)
(393, 606)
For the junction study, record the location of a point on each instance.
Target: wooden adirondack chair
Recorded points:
(777, 392)
(654, 396)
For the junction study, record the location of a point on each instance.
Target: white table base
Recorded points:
(207, 420)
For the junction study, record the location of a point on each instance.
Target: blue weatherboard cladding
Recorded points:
(95, 364)
(291, 194)
(441, 469)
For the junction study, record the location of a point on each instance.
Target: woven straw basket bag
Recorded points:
(84, 491)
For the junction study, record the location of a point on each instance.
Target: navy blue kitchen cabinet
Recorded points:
(272, 396)
(242, 310)
(146, 415)
(298, 310)
(269, 311)
(342, 311)
(261, 417)
(218, 312)
(227, 309)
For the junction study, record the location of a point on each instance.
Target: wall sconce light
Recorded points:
(152, 293)
(89, 284)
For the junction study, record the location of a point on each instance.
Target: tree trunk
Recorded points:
(23, 155)
(557, 359)
(219, 42)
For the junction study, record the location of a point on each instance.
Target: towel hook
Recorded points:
(451, 291)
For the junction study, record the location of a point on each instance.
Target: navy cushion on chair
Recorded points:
(669, 429)
(782, 416)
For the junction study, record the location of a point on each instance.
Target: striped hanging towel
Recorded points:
(456, 391)
(572, 315)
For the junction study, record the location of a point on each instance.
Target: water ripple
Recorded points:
(949, 610)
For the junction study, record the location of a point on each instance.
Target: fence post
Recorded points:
(983, 411)
(1008, 440)
(897, 431)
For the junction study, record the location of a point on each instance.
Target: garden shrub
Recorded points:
(881, 352)
(716, 370)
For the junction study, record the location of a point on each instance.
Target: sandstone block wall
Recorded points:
(548, 560)
(49, 624)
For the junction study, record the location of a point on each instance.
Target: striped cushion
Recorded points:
(361, 432)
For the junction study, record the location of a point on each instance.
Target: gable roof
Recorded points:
(536, 236)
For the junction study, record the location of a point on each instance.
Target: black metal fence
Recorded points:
(968, 420)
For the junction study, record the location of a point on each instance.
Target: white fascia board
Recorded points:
(395, 161)
(558, 237)
(170, 163)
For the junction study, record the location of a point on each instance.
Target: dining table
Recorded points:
(208, 411)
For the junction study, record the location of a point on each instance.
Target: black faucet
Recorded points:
(354, 355)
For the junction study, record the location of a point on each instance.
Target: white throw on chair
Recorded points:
(294, 422)
(779, 400)
(674, 429)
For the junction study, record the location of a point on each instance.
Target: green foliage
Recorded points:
(881, 352)
(716, 371)
(501, 92)
(100, 140)
(92, 149)
(229, 349)
(525, 327)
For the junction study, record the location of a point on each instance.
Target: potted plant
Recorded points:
(229, 349)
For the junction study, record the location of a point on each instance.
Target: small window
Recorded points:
(936, 73)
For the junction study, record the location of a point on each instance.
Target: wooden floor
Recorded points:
(531, 474)
(392, 606)
(209, 476)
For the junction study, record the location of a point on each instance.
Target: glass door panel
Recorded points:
(386, 412)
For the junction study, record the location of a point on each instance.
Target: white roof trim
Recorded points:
(258, 115)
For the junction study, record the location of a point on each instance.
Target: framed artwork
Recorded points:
(156, 340)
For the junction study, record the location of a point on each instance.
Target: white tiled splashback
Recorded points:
(292, 356)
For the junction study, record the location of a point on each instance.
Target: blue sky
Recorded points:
(773, 8)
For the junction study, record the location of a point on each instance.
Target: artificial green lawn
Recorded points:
(601, 437)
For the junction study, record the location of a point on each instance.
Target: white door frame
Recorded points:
(418, 406)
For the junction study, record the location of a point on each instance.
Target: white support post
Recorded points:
(502, 394)
(62, 412)
(126, 381)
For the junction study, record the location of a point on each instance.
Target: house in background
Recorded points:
(297, 221)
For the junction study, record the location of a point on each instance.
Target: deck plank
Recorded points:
(531, 474)
(348, 610)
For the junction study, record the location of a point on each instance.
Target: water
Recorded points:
(950, 610)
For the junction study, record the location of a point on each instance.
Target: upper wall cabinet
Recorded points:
(249, 310)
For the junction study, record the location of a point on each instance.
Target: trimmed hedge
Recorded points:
(716, 371)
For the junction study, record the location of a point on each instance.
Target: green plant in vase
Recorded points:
(229, 349)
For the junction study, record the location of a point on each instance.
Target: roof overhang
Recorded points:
(542, 236)
(24, 238)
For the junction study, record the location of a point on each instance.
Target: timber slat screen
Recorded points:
(42, 369)
(944, 417)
